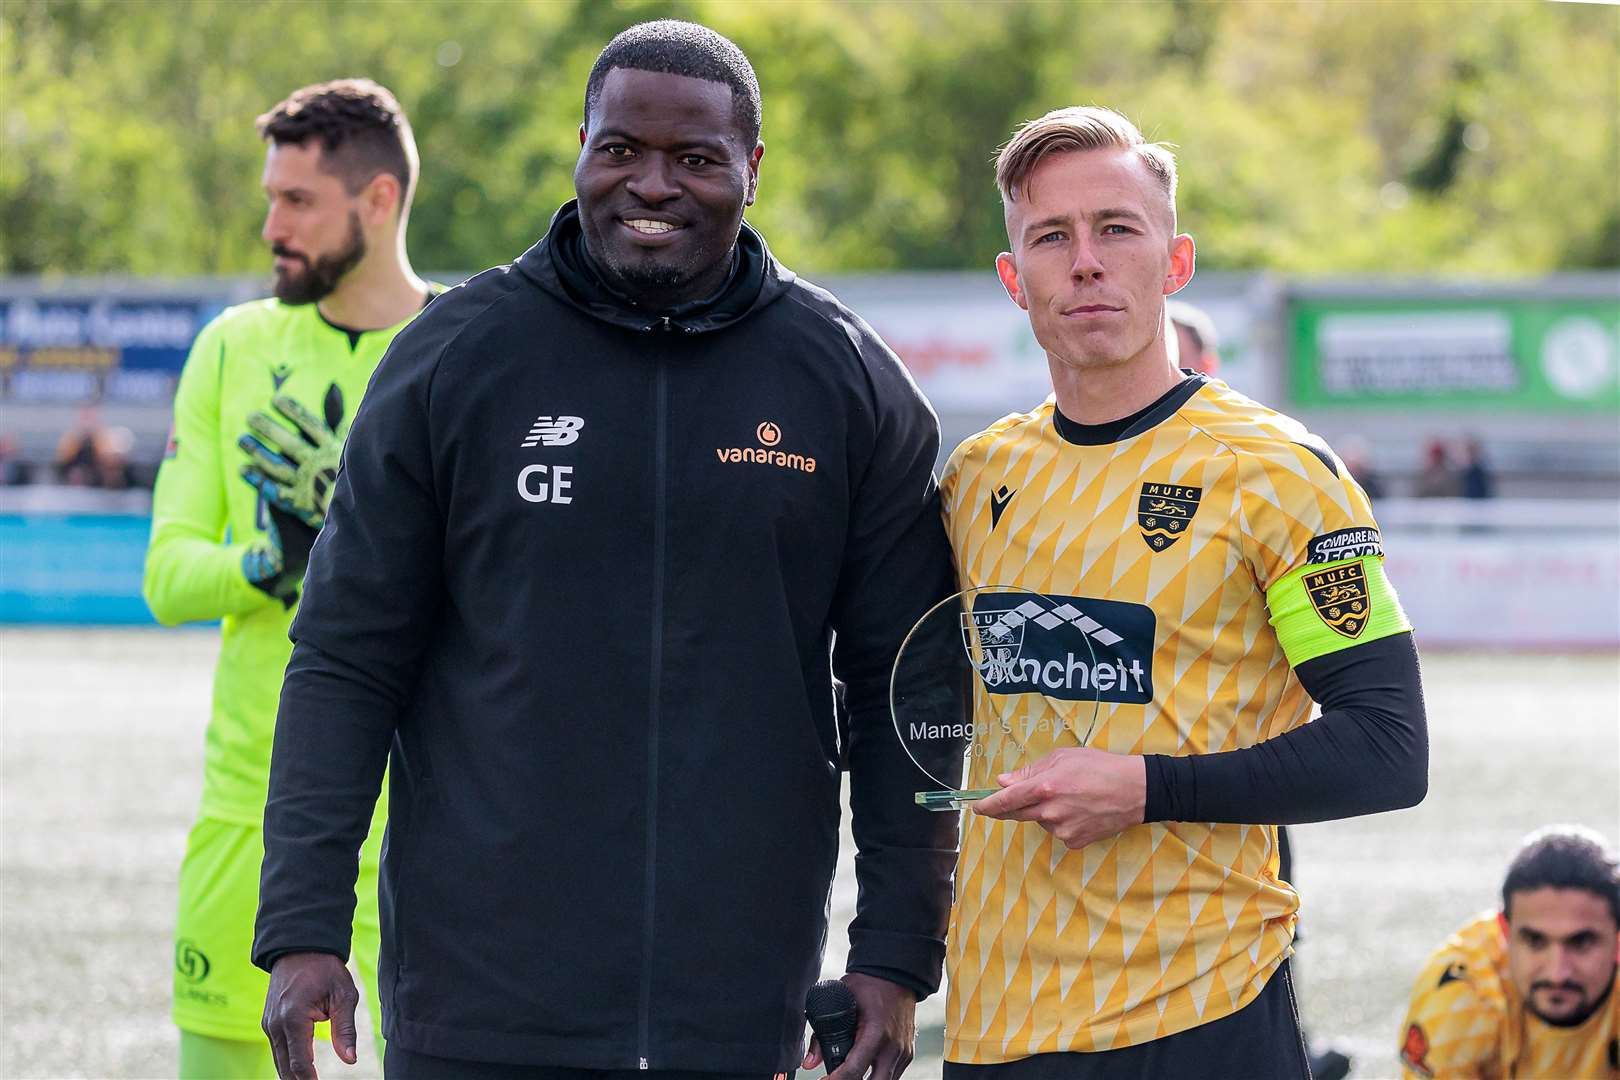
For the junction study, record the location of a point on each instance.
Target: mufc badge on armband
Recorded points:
(1341, 597)
(1164, 511)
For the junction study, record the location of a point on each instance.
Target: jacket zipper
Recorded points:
(660, 436)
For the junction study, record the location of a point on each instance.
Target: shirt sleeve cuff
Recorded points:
(914, 961)
(1172, 788)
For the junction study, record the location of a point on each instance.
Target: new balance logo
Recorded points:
(553, 431)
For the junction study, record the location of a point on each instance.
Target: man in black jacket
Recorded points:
(609, 520)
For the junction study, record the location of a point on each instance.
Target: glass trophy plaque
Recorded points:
(988, 680)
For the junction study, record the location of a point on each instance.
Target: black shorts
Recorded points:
(1261, 1041)
(405, 1065)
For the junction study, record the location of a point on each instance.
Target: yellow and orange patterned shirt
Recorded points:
(1182, 571)
(1467, 1020)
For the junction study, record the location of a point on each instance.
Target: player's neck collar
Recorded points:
(1133, 425)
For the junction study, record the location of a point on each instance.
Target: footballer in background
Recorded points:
(1528, 991)
(259, 418)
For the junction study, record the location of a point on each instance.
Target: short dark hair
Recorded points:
(672, 47)
(1565, 857)
(360, 126)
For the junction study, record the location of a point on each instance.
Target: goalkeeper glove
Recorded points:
(294, 473)
(275, 564)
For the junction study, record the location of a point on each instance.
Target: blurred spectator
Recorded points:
(1195, 337)
(90, 454)
(1357, 457)
(1477, 481)
(75, 463)
(13, 472)
(1438, 478)
(113, 467)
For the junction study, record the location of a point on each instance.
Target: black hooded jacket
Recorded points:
(582, 575)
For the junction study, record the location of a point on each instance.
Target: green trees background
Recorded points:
(1476, 138)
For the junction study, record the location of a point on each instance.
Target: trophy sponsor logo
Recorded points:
(1074, 648)
(1164, 512)
(1345, 544)
(553, 431)
(1341, 597)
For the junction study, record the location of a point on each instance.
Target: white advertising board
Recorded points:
(1526, 590)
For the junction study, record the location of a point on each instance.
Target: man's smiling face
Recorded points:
(663, 176)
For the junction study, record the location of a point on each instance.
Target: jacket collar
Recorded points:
(560, 265)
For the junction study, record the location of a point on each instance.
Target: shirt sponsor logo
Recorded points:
(769, 435)
(1074, 648)
(1341, 597)
(1345, 544)
(553, 431)
(190, 961)
(1164, 511)
(1456, 971)
(999, 499)
(280, 374)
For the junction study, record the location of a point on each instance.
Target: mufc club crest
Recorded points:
(1341, 597)
(1164, 511)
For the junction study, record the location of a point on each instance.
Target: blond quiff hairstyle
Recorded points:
(1079, 127)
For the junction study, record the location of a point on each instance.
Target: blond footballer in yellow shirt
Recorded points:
(1118, 911)
(1528, 991)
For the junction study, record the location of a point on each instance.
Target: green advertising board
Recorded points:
(1530, 354)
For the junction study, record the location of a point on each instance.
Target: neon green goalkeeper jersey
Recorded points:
(204, 516)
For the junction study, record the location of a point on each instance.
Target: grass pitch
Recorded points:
(100, 772)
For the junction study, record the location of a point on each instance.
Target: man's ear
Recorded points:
(381, 198)
(753, 173)
(1008, 273)
(1183, 256)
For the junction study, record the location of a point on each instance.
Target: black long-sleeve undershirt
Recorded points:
(1368, 752)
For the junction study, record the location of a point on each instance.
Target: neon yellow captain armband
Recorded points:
(1321, 608)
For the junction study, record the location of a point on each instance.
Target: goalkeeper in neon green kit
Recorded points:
(265, 398)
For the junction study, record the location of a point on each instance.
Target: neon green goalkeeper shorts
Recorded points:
(217, 990)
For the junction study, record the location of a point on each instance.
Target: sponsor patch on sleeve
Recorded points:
(1345, 544)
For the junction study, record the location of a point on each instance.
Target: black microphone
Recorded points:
(831, 1010)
